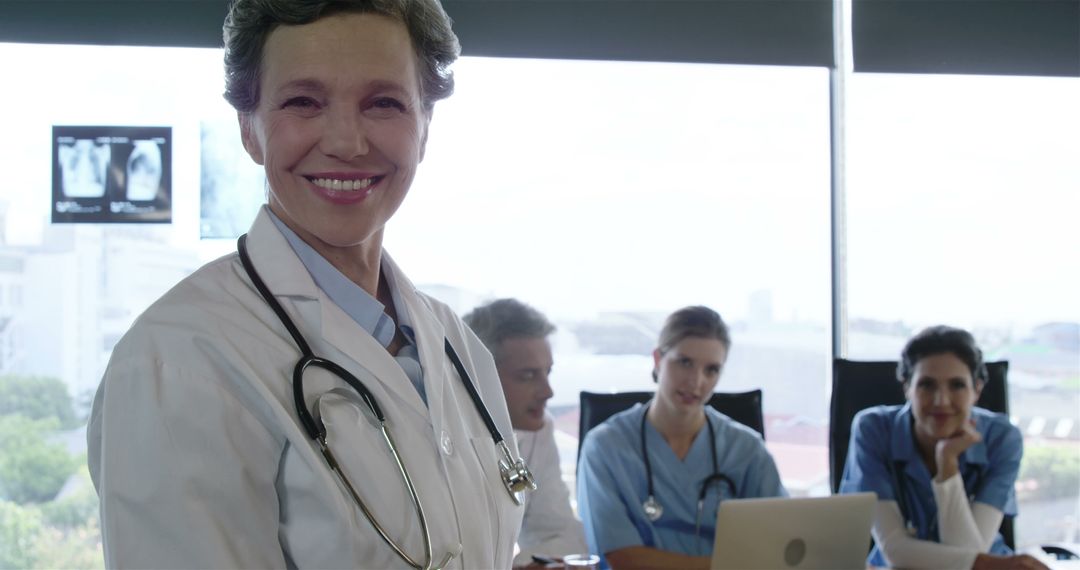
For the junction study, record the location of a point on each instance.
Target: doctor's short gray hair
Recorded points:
(506, 318)
(249, 23)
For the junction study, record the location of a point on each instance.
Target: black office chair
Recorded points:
(743, 407)
(860, 385)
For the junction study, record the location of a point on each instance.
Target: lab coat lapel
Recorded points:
(288, 279)
(276, 262)
(429, 331)
(341, 331)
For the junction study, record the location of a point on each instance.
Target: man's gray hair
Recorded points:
(507, 318)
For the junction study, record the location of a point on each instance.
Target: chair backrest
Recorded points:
(858, 385)
(743, 407)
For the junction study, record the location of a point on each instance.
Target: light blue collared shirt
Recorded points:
(882, 458)
(612, 485)
(366, 310)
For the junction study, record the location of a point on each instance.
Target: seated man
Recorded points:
(516, 334)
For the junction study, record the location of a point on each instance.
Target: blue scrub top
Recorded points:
(882, 458)
(612, 484)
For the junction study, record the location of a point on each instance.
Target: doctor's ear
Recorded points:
(251, 143)
(657, 355)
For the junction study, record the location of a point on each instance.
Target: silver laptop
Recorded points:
(820, 532)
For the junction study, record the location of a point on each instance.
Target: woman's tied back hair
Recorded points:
(696, 321)
(249, 23)
(941, 339)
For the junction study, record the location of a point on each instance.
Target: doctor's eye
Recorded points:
(387, 107)
(388, 103)
(301, 102)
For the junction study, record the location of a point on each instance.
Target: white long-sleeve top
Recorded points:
(966, 530)
(951, 521)
(549, 527)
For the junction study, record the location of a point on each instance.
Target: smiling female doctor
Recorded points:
(237, 423)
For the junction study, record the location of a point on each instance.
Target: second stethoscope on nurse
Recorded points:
(514, 473)
(972, 479)
(653, 509)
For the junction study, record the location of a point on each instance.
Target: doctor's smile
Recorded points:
(344, 189)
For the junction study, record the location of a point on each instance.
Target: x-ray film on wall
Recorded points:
(233, 186)
(112, 174)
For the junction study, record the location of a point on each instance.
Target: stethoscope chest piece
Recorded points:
(515, 475)
(653, 510)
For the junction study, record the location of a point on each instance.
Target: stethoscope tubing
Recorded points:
(515, 473)
(902, 500)
(309, 359)
(651, 505)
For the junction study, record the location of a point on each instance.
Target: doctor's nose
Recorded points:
(344, 136)
(545, 390)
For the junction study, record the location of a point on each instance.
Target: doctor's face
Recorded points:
(524, 365)
(687, 373)
(339, 127)
(942, 393)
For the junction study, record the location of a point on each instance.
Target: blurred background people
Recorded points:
(651, 478)
(943, 469)
(517, 336)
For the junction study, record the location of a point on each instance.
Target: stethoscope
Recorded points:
(653, 509)
(515, 474)
(898, 467)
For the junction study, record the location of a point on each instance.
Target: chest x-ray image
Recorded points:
(143, 170)
(112, 174)
(84, 166)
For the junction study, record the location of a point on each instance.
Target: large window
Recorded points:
(962, 197)
(606, 195)
(610, 194)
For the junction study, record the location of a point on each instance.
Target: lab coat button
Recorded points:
(447, 444)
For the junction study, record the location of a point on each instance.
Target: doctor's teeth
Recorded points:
(342, 185)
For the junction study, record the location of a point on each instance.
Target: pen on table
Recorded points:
(547, 560)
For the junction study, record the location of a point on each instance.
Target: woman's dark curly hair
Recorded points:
(937, 340)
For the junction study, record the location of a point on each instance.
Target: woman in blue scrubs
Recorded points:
(943, 469)
(651, 478)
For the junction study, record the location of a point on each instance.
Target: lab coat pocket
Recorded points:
(503, 514)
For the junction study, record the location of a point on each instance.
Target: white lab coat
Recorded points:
(200, 461)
